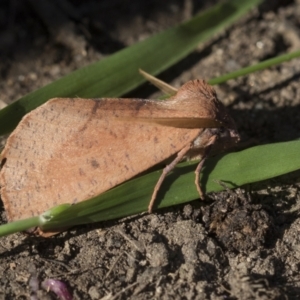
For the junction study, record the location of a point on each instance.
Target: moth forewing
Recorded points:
(69, 150)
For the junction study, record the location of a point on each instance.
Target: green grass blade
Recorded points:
(118, 74)
(235, 169)
(18, 226)
(257, 67)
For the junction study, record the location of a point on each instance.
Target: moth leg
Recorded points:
(197, 177)
(165, 172)
(201, 163)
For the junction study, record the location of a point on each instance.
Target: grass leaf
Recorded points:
(132, 197)
(235, 169)
(257, 67)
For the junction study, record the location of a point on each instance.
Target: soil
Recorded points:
(246, 244)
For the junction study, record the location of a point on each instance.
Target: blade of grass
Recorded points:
(257, 67)
(20, 225)
(132, 197)
(235, 169)
(118, 74)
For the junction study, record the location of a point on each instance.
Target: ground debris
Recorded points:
(238, 223)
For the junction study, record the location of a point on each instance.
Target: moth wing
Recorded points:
(69, 150)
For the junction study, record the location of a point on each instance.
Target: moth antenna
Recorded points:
(163, 86)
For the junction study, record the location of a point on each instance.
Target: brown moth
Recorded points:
(69, 150)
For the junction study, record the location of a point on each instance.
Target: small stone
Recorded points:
(93, 292)
(158, 255)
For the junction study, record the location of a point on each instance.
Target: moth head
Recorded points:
(202, 103)
(228, 133)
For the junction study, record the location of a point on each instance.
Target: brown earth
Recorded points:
(246, 244)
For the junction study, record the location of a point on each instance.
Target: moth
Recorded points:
(71, 149)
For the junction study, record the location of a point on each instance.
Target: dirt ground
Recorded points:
(245, 244)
